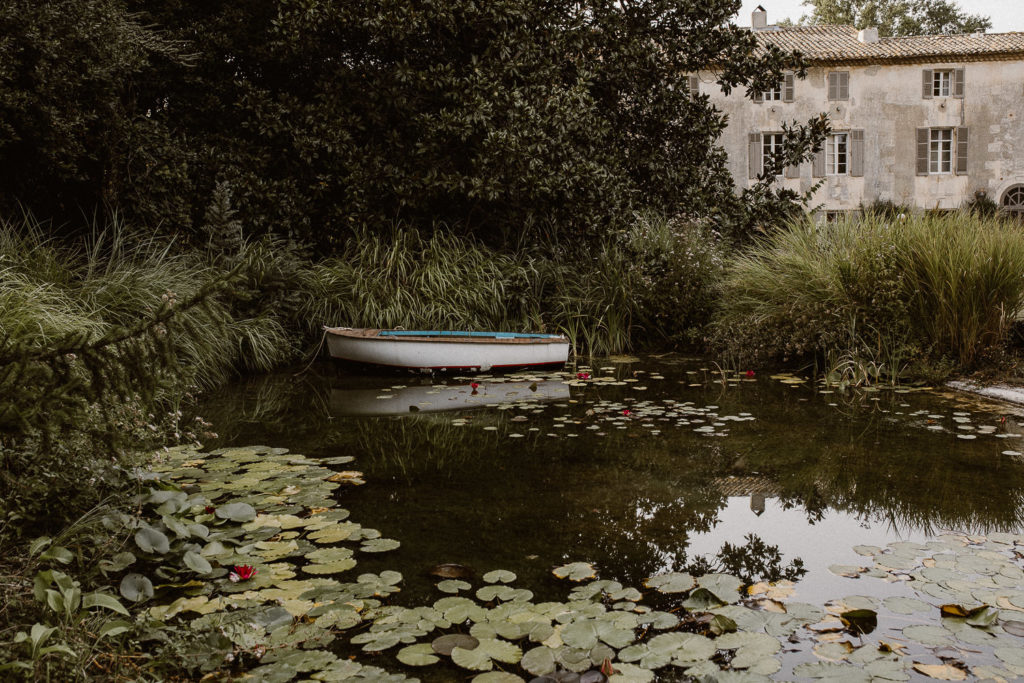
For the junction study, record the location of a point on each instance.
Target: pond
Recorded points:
(643, 466)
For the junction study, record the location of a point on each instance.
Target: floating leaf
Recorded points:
(379, 545)
(539, 661)
(674, 582)
(197, 563)
(237, 512)
(499, 576)
(943, 672)
(901, 605)
(417, 655)
(445, 644)
(860, 620)
(453, 586)
(497, 677)
(723, 586)
(577, 571)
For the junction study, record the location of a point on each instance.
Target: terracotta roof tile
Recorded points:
(837, 44)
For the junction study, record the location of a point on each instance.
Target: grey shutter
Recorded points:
(844, 85)
(818, 167)
(833, 85)
(788, 89)
(857, 153)
(961, 151)
(759, 96)
(926, 84)
(958, 82)
(754, 155)
(793, 171)
(694, 84)
(922, 151)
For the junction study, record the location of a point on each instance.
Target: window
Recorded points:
(1013, 201)
(773, 94)
(942, 82)
(838, 85)
(940, 150)
(837, 154)
(770, 147)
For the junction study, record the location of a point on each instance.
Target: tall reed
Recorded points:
(878, 288)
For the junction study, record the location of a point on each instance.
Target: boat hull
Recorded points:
(446, 353)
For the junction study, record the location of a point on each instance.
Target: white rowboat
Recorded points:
(443, 350)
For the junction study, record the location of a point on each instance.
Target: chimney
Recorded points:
(868, 35)
(759, 19)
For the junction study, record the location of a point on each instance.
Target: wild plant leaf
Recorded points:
(152, 541)
(136, 587)
(197, 563)
(90, 600)
(236, 512)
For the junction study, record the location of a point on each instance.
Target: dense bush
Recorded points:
(881, 290)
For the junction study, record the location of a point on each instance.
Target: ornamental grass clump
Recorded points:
(923, 286)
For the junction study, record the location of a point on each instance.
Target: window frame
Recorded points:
(770, 144)
(941, 151)
(774, 94)
(834, 159)
(942, 78)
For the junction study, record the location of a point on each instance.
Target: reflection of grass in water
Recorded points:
(409, 444)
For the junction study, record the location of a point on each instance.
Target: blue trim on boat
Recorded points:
(445, 333)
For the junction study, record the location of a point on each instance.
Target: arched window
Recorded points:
(1013, 201)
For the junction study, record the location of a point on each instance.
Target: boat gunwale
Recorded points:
(372, 334)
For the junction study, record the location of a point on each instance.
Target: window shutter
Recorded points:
(833, 85)
(754, 155)
(844, 85)
(926, 84)
(922, 151)
(788, 89)
(857, 153)
(818, 168)
(961, 151)
(793, 171)
(694, 84)
(958, 82)
(759, 96)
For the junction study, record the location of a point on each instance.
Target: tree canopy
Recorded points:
(325, 115)
(898, 17)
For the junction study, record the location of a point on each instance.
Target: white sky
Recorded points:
(1006, 15)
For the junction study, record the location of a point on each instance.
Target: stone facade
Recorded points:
(927, 121)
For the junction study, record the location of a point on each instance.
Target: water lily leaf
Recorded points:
(1013, 627)
(453, 586)
(1011, 656)
(497, 677)
(197, 563)
(701, 600)
(152, 541)
(982, 616)
(329, 567)
(674, 582)
(720, 624)
(849, 571)
(379, 545)
(445, 644)
(499, 576)
(577, 571)
(832, 672)
(927, 634)
(901, 605)
(417, 655)
(631, 673)
(942, 672)
(860, 620)
(136, 587)
(488, 593)
(723, 586)
(539, 661)
(237, 512)
(475, 659)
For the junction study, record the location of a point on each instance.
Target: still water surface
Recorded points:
(641, 468)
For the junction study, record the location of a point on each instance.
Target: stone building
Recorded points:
(930, 121)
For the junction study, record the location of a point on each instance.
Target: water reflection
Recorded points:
(636, 471)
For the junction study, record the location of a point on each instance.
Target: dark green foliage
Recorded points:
(898, 17)
(492, 118)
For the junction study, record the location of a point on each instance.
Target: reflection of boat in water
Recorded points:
(440, 350)
(431, 399)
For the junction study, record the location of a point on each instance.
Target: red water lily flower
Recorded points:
(474, 385)
(208, 509)
(750, 373)
(242, 572)
(626, 412)
(582, 375)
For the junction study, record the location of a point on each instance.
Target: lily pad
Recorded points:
(237, 512)
(539, 661)
(445, 644)
(499, 576)
(417, 655)
(453, 586)
(674, 582)
(577, 571)
(379, 545)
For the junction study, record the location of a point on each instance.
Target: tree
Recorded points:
(898, 17)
